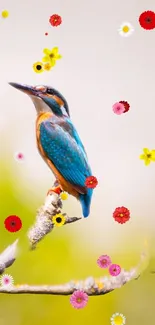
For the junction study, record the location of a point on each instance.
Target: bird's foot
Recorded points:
(56, 189)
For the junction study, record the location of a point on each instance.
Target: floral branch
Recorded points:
(44, 219)
(46, 215)
(91, 286)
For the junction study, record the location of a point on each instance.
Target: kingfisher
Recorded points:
(59, 143)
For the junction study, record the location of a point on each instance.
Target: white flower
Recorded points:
(118, 319)
(6, 280)
(126, 29)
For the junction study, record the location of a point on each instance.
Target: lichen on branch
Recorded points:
(44, 223)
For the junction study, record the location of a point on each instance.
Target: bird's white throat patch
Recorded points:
(40, 105)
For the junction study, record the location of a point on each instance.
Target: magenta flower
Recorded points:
(79, 299)
(118, 108)
(114, 269)
(19, 156)
(104, 261)
(6, 280)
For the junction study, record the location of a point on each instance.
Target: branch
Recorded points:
(44, 224)
(8, 256)
(90, 285)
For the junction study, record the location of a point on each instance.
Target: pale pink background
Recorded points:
(99, 67)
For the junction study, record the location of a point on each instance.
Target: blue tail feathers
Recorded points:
(85, 200)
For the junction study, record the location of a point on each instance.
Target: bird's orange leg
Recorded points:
(56, 189)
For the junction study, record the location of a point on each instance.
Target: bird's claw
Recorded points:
(56, 190)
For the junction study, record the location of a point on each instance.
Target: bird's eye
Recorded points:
(41, 88)
(50, 91)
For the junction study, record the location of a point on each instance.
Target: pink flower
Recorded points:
(118, 108)
(114, 269)
(6, 280)
(79, 299)
(104, 261)
(19, 156)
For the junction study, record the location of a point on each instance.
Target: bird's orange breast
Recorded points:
(66, 186)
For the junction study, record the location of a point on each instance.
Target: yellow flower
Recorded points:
(118, 319)
(51, 56)
(47, 66)
(38, 67)
(5, 13)
(148, 156)
(99, 284)
(64, 196)
(59, 220)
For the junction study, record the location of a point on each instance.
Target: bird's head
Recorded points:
(45, 99)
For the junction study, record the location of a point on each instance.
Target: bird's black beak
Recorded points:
(29, 90)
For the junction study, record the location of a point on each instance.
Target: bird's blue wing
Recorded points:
(65, 153)
(75, 135)
(68, 126)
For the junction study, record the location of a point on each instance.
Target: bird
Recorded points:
(59, 144)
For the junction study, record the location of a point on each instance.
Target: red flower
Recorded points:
(121, 215)
(46, 34)
(13, 223)
(147, 20)
(55, 20)
(126, 105)
(91, 182)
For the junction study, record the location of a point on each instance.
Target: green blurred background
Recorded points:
(61, 256)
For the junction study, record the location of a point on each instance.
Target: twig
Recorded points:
(8, 256)
(91, 286)
(44, 224)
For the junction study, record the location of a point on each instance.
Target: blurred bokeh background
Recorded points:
(98, 68)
